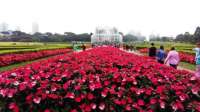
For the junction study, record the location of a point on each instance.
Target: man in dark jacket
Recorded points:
(152, 50)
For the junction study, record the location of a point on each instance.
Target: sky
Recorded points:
(159, 17)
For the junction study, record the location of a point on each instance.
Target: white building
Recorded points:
(106, 35)
(35, 27)
(3, 27)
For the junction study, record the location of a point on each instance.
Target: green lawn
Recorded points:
(188, 66)
(20, 64)
(16, 47)
(14, 66)
(185, 47)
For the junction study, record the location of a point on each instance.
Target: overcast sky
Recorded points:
(164, 17)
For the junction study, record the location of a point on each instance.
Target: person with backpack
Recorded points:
(197, 59)
(173, 58)
(160, 55)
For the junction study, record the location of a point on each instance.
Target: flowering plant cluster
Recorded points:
(144, 50)
(101, 79)
(185, 57)
(9, 59)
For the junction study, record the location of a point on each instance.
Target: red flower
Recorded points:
(128, 108)
(74, 110)
(8, 59)
(47, 110)
(153, 101)
(106, 83)
(65, 86)
(160, 89)
(37, 100)
(11, 92)
(90, 96)
(104, 92)
(53, 96)
(177, 106)
(88, 108)
(22, 86)
(3, 92)
(141, 102)
(78, 87)
(148, 92)
(77, 81)
(162, 104)
(117, 101)
(195, 91)
(70, 95)
(78, 99)
(14, 107)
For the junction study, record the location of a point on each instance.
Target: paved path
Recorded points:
(181, 68)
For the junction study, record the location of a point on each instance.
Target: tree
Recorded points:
(129, 37)
(197, 34)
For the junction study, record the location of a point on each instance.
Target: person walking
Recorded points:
(83, 47)
(160, 55)
(172, 58)
(197, 59)
(152, 51)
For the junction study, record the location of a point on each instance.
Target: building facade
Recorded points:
(106, 35)
(35, 27)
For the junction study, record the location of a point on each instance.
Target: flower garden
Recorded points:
(8, 59)
(185, 57)
(103, 79)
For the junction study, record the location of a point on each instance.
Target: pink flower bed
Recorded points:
(101, 79)
(144, 50)
(185, 57)
(9, 59)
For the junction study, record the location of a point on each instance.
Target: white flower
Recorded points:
(47, 92)
(102, 106)
(37, 100)
(53, 89)
(33, 83)
(16, 83)
(94, 106)
(193, 78)
(13, 74)
(182, 98)
(162, 105)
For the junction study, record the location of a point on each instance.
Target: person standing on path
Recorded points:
(197, 60)
(83, 47)
(172, 58)
(160, 55)
(152, 51)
